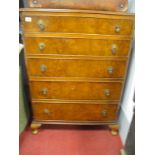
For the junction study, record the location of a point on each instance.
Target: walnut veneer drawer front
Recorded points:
(74, 112)
(77, 46)
(63, 67)
(108, 5)
(76, 90)
(77, 23)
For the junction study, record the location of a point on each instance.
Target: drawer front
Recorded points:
(71, 24)
(76, 68)
(110, 5)
(75, 90)
(74, 112)
(77, 46)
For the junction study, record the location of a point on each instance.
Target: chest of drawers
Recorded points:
(76, 64)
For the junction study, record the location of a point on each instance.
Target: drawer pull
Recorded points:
(34, 1)
(104, 113)
(44, 91)
(46, 111)
(114, 49)
(117, 29)
(107, 92)
(110, 70)
(121, 5)
(41, 25)
(41, 46)
(43, 68)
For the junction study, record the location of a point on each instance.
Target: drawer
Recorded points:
(79, 90)
(110, 5)
(74, 112)
(67, 67)
(108, 25)
(77, 46)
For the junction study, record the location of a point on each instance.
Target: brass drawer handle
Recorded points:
(34, 1)
(121, 6)
(44, 91)
(110, 70)
(104, 113)
(41, 46)
(107, 92)
(114, 49)
(46, 111)
(117, 28)
(43, 68)
(41, 25)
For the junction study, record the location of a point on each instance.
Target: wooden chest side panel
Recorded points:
(75, 112)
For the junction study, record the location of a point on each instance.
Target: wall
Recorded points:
(126, 112)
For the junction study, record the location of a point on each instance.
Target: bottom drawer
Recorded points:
(74, 112)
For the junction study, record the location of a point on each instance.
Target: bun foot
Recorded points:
(34, 132)
(35, 127)
(114, 129)
(114, 133)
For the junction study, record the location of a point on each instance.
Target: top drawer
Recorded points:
(108, 5)
(81, 23)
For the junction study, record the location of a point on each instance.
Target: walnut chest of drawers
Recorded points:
(76, 64)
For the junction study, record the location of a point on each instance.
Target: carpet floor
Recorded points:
(69, 140)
